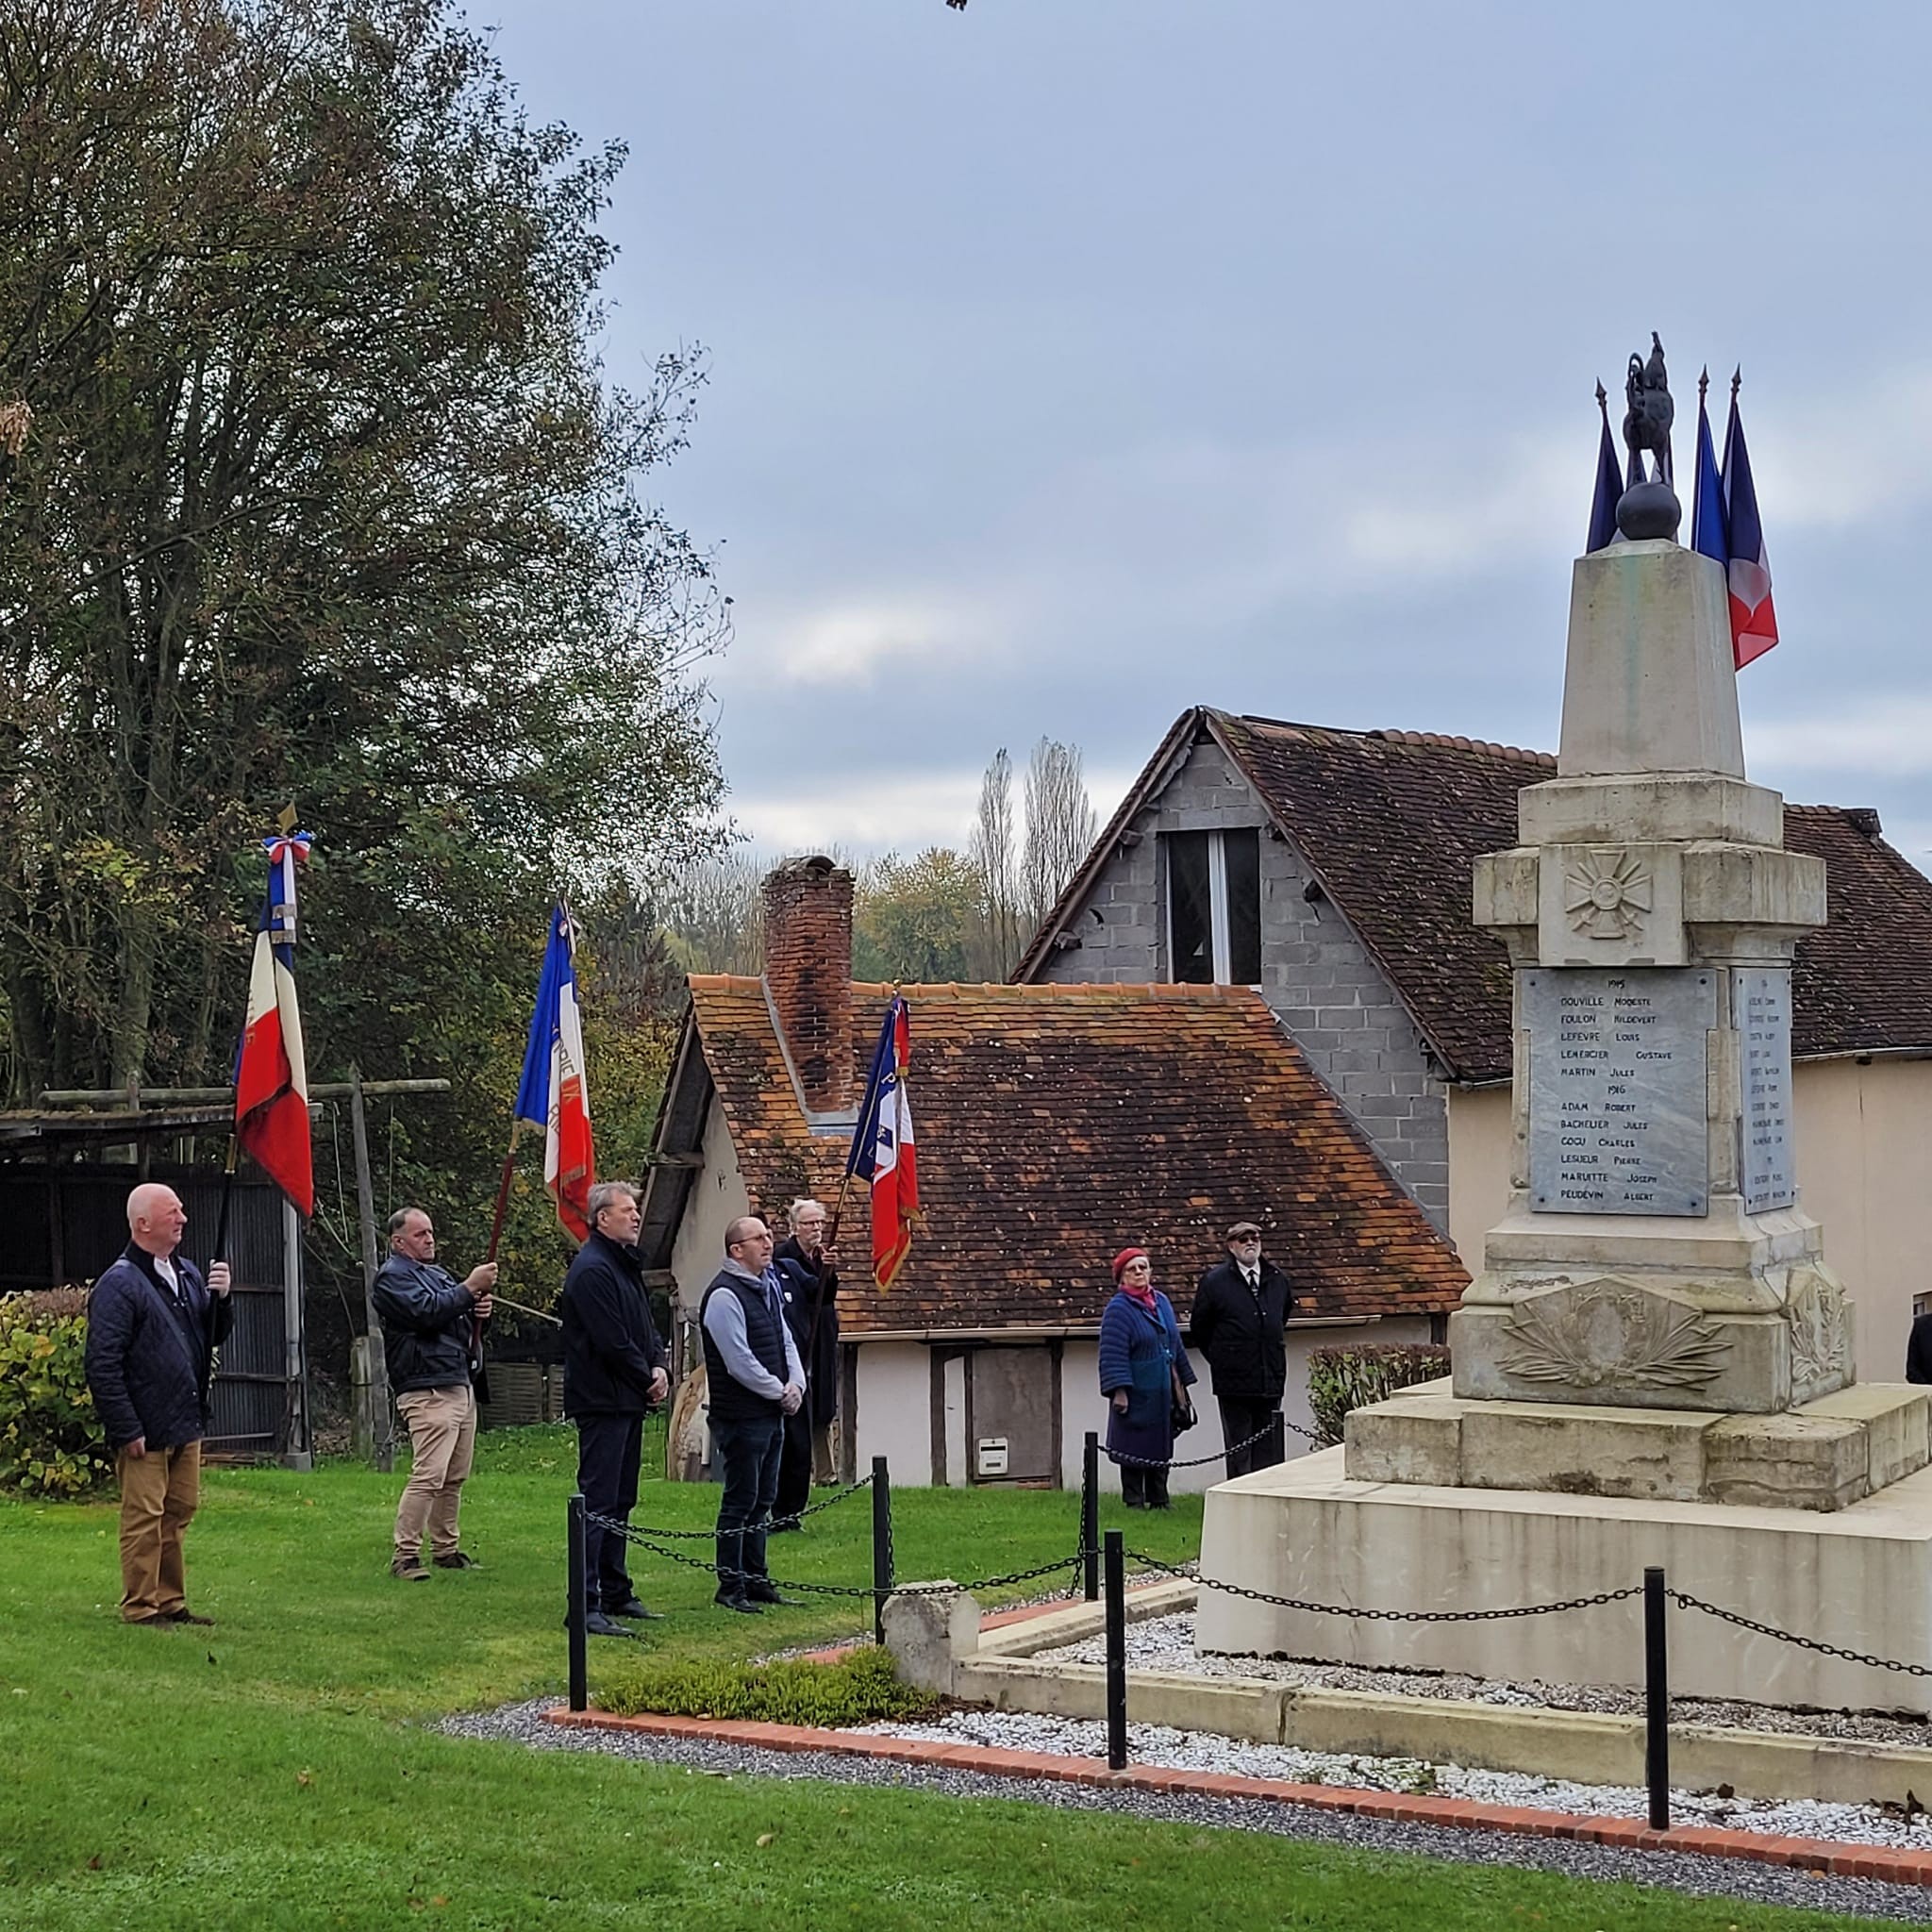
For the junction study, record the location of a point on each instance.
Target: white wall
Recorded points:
(718, 1196)
(893, 1411)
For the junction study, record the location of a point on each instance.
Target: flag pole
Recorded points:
(516, 1128)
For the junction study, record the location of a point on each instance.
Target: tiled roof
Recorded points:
(1059, 1124)
(1391, 821)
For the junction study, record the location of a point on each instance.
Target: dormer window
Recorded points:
(1213, 907)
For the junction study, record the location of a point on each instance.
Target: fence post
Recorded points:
(1657, 1702)
(1116, 1652)
(881, 1545)
(578, 1610)
(1090, 1515)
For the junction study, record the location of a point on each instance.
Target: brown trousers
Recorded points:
(159, 1494)
(442, 1443)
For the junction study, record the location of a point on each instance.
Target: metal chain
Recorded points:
(1200, 1461)
(1687, 1602)
(1289, 1603)
(770, 1523)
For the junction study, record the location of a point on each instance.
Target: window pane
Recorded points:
(1189, 922)
(1242, 854)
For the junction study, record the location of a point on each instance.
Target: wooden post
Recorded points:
(377, 1417)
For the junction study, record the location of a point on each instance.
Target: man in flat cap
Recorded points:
(1241, 1309)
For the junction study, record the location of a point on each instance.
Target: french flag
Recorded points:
(552, 1094)
(883, 1151)
(1754, 622)
(271, 1078)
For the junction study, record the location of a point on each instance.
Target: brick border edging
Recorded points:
(1627, 1834)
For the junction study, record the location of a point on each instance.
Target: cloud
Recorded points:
(1889, 736)
(1861, 452)
(850, 639)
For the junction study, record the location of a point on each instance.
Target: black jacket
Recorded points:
(149, 1361)
(1919, 1350)
(1239, 1331)
(804, 1286)
(426, 1324)
(610, 1345)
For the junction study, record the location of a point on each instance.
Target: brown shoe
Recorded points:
(184, 1615)
(410, 1569)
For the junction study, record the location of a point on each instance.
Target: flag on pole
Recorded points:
(1609, 485)
(1754, 622)
(271, 1078)
(883, 1152)
(552, 1094)
(1709, 535)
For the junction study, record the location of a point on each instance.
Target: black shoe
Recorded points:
(788, 1527)
(744, 1605)
(597, 1624)
(767, 1593)
(633, 1608)
(184, 1615)
(459, 1560)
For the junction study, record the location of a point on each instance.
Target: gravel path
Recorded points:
(1711, 1877)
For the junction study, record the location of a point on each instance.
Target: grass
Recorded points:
(280, 1771)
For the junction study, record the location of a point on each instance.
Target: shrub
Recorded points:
(857, 1690)
(50, 1438)
(1341, 1379)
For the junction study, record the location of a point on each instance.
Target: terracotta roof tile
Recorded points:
(1057, 1123)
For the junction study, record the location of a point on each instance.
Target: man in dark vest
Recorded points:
(152, 1329)
(1241, 1310)
(808, 1284)
(613, 1370)
(754, 1380)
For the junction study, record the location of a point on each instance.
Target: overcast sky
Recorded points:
(1074, 361)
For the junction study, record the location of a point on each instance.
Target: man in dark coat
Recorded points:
(1919, 1350)
(613, 1370)
(1241, 1309)
(753, 1381)
(153, 1326)
(808, 1287)
(429, 1326)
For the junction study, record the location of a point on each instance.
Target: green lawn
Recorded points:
(276, 1770)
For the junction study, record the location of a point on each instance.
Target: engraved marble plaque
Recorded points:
(1617, 1101)
(1761, 1010)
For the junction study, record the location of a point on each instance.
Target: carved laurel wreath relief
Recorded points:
(1611, 1334)
(1817, 1317)
(1606, 894)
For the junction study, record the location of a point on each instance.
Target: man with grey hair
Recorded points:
(808, 1287)
(153, 1326)
(429, 1322)
(613, 1370)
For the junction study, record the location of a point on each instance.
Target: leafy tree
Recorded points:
(1060, 825)
(917, 919)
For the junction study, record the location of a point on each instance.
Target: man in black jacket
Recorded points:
(153, 1326)
(613, 1370)
(1240, 1308)
(428, 1327)
(808, 1287)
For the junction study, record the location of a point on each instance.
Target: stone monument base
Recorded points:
(1823, 1456)
(1860, 1577)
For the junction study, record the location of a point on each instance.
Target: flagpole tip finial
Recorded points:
(1737, 378)
(285, 823)
(1602, 395)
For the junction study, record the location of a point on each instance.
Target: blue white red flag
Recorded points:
(552, 1094)
(883, 1152)
(1609, 487)
(271, 1078)
(1754, 622)
(1709, 535)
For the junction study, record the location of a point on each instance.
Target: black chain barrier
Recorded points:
(768, 1524)
(1263, 1435)
(1685, 1601)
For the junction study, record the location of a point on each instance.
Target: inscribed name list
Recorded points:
(1617, 1100)
(1761, 1008)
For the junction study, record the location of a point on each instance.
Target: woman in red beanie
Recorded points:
(1144, 1373)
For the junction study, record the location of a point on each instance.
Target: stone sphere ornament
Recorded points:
(1649, 509)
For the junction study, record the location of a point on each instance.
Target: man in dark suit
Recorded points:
(153, 1326)
(1241, 1309)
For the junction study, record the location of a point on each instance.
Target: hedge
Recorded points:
(860, 1688)
(51, 1442)
(1341, 1379)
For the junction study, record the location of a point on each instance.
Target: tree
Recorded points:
(323, 496)
(917, 919)
(1060, 827)
(993, 854)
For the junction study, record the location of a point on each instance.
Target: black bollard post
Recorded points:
(881, 1545)
(579, 1636)
(1116, 1653)
(1657, 1702)
(1090, 1515)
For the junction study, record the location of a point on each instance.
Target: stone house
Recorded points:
(1057, 1125)
(1331, 870)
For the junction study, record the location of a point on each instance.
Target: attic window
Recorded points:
(1213, 907)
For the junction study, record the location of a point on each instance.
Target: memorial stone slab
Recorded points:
(1617, 1094)
(1761, 1007)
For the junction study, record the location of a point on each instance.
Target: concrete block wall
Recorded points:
(1315, 973)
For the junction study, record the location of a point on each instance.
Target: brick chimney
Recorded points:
(807, 907)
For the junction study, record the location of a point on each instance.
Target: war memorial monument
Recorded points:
(1653, 1365)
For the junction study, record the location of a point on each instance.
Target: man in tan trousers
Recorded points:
(153, 1326)
(428, 1325)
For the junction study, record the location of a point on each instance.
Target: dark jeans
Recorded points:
(748, 1450)
(794, 1463)
(1144, 1489)
(610, 1448)
(1242, 1416)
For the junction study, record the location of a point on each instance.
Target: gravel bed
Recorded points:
(1166, 1643)
(1686, 1872)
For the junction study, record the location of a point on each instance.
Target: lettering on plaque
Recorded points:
(1617, 1102)
(1761, 1010)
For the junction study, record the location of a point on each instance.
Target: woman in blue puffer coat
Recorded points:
(1144, 1373)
